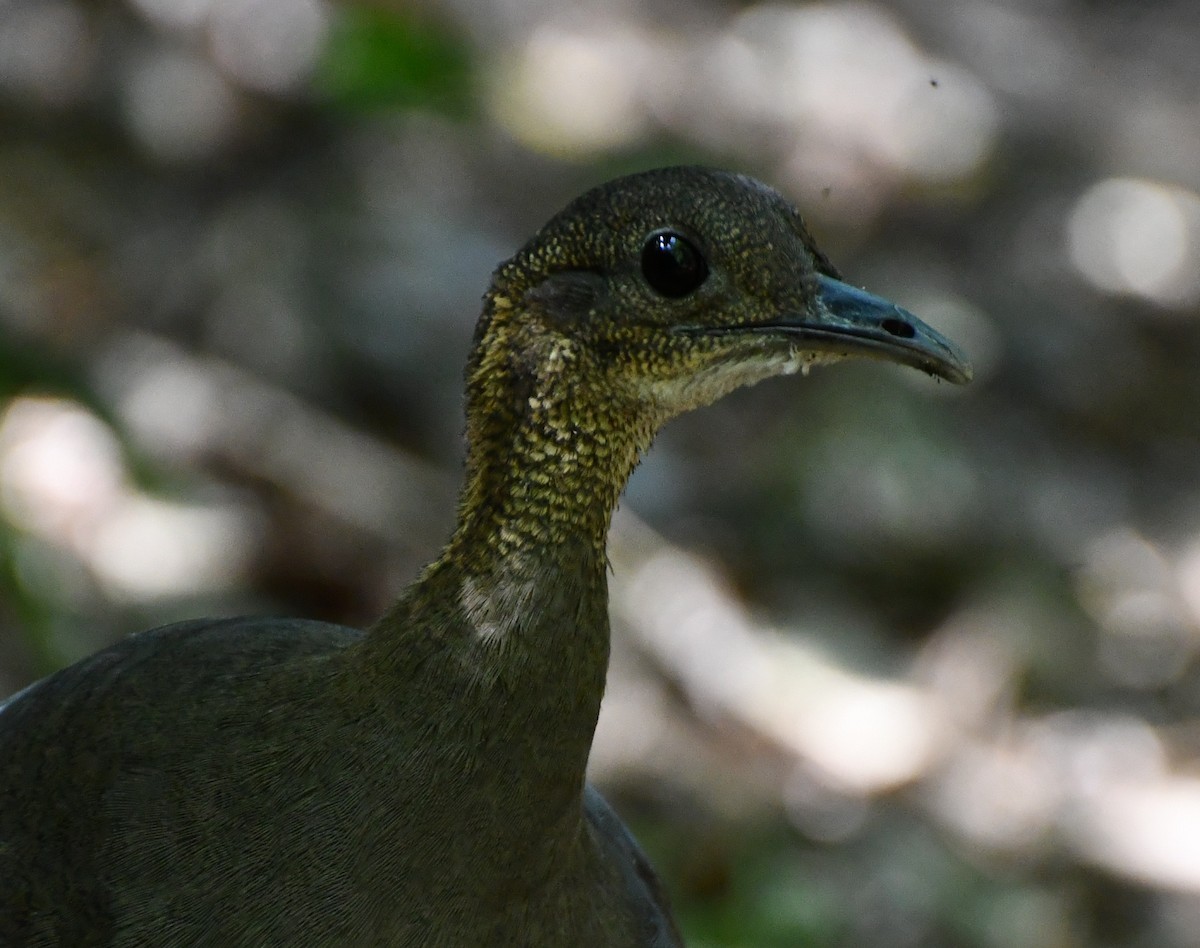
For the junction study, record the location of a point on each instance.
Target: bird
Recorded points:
(268, 782)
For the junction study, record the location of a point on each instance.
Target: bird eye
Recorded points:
(672, 265)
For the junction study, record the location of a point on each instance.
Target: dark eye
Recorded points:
(672, 265)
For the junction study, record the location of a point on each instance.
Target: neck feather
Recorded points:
(548, 460)
(512, 618)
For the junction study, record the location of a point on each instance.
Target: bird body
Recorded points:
(296, 824)
(251, 782)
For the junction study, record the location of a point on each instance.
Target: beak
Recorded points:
(854, 322)
(850, 322)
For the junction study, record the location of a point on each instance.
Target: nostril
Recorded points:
(898, 327)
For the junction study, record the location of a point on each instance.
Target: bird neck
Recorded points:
(551, 443)
(546, 463)
(511, 620)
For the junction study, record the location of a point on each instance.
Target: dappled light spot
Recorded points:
(1003, 798)
(865, 735)
(63, 479)
(1140, 238)
(861, 735)
(171, 405)
(179, 107)
(60, 467)
(839, 90)
(180, 407)
(574, 93)
(856, 88)
(147, 549)
(1149, 831)
(1133, 591)
(1097, 751)
(268, 45)
(1188, 575)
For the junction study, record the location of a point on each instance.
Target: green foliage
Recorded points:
(380, 60)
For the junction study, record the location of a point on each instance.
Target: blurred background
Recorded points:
(896, 663)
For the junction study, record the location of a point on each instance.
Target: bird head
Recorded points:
(667, 289)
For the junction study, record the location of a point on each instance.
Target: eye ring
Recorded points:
(672, 265)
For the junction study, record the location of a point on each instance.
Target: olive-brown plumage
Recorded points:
(267, 782)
